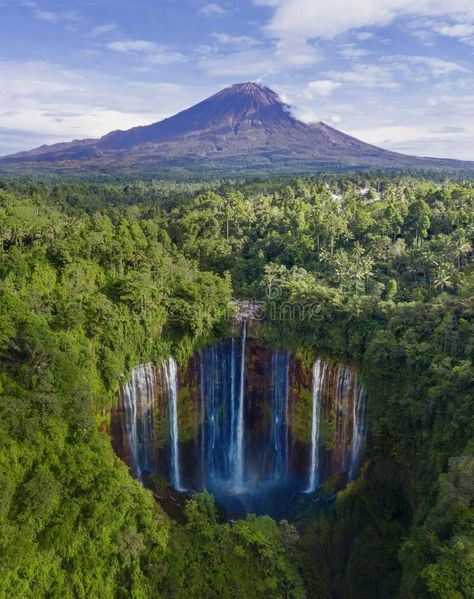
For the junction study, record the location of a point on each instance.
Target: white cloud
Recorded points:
(252, 61)
(307, 115)
(46, 103)
(296, 52)
(131, 46)
(212, 10)
(352, 52)
(103, 29)
(49, 16)
(390, 134)
(316, 18)
(419, 140)
(436, 120)
(244, 64)
(423, 121)
(461, 31)
(322, 87)
(153, 53)
(366, 75)
(437, 66)
(234, 40)
(363, 36)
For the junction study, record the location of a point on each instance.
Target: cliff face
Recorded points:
(139, 423)
(251, 423)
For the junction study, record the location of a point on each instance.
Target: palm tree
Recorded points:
(367, 270)
(274, 274)
(443, 278)
(462, 247)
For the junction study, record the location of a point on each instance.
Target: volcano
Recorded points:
(245, 127)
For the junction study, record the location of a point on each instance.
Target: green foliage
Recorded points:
(251, 558)
(439, 556)
(97, 277)
(83, 299)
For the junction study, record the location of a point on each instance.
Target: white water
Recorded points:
(280, 377)
(233, 418)
(203, 410)
(239, 453)
(171, 378)
(336, 395)
(319, 372)
(138, 400)
(359, 429)
(129, 403)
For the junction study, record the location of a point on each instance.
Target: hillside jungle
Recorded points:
(97, 277)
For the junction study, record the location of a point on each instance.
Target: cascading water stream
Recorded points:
(129, 405)
(138, 401)
(319, 377)
(233, 406)
(249, 438)
(341, 407)
(280, 367)
(171, 378)
(359, 429)
(239, 444)
(218, 432)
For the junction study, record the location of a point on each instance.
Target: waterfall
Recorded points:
(239, 446)
(280, 372)
(319, 377)
(359, 426)
(202, 389)
(219, 417)
(138, 398)
(170, 377)
(129, 406)
(233, 407)
(254, 441)
(344, 390)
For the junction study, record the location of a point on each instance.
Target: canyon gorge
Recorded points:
(246, 421)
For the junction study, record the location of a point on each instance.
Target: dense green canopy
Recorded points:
(98, 277)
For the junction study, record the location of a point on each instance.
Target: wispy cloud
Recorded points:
(153, 53)
(422, 68)
(49, 16)
(131, 46)
(234, 40)
(313, 18)
(103, 30)
(363, 36)
(416, 139)
(244, 64)
(438, 66)
(45, 102)
(322, 87)
(461, 31)
(352, 52)
(254, 60)
(212, 9)
(366, 75)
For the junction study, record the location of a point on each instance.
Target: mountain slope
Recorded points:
(245, 126)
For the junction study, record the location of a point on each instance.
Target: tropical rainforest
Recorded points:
(98, 276)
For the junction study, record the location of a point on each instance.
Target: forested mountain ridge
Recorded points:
(89, 292)
(245, 127)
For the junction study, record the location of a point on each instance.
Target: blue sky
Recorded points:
(396, 73)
